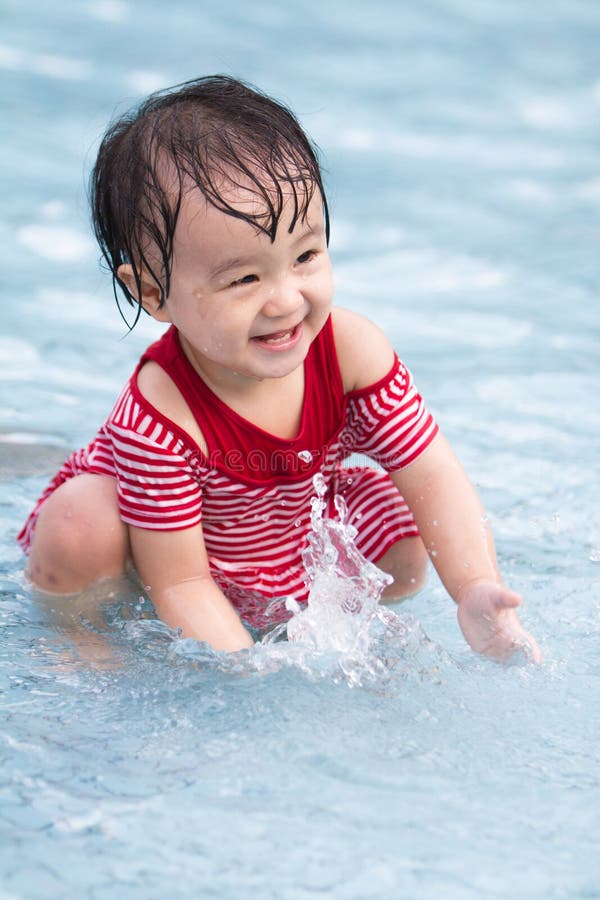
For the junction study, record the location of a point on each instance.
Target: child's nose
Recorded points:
(282, 299)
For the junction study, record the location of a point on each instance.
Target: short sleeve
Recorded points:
(157, 482)
(388, 421)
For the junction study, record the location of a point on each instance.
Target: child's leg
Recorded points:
(406, 561)
(79, 537)
(384, 521)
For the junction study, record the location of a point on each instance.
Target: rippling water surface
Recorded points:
(460, 139)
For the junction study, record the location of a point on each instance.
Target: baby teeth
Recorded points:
(275, 338)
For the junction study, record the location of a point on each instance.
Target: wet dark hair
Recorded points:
(216, 132)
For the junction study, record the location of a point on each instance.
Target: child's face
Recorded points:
(247, 308)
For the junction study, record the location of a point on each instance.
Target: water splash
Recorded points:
(345, 588)
(343, 621)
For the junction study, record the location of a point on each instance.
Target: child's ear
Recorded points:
(150, 298)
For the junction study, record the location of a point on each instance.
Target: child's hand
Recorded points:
(487, 617)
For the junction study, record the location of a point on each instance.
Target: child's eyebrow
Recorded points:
(310, 231)
(240, 262)
(235, 262)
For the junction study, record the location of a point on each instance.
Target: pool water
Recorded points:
(460, 140)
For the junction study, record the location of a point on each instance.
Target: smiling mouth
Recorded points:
(277, 337)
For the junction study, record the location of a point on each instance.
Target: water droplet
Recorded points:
(595, 556)
(433, 552)
(435, 523)
(319, 484)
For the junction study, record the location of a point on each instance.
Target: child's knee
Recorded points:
(407, 562)
(79, 536)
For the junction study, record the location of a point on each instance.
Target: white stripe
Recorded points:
(130, 519)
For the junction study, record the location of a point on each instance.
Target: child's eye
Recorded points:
(246, 279)
(306, 257)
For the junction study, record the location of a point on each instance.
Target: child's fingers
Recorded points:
(505, 647)
(536, 653)
(507, 600)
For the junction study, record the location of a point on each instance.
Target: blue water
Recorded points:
(461, 142)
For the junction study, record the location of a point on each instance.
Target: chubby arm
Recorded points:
(459, 541)
(174, 564)
(450, 517)
(446, 507)
(174, 567)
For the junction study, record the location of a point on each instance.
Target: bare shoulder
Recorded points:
(365, 354)
(161, 392)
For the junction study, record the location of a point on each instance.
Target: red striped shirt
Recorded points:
(251, 490)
